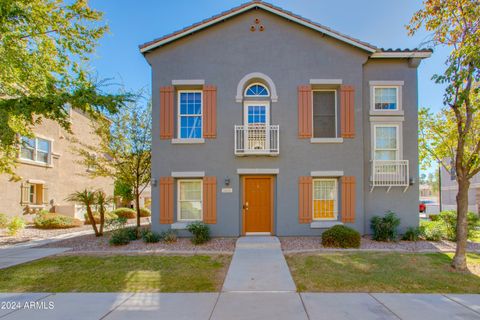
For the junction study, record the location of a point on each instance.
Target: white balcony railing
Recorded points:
(257, 140)
(390, 173)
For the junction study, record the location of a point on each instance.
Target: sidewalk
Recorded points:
(13, 256)
(258, 305)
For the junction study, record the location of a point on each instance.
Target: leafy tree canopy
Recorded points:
(44, 48)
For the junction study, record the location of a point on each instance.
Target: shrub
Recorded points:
(55, 221)
(132, 233)
(125, 213)
(449, 219)
(169, 236)
(96, 216)
(43, 212)
(200, 232)
(16, 224)
(385, 228)
(119, 237)
(434, 217)
(432, 230)
(149, 236)
(341, 237)
(3, 220)
(144, 212)
(412, 234)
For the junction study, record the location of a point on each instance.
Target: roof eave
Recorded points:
(402, 55)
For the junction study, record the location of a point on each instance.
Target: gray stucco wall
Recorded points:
(290, 55)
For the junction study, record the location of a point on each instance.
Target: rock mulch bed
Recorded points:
(90, 243)
(30, 233)
(314, 243)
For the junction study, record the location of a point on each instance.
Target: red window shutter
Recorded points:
(347, 111)
(209, 111)
(305, 199)
(166, 200)
(210, 200)
(166, 112)
(348, 199)
(305, 111)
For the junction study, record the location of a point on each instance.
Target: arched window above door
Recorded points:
(257, 90)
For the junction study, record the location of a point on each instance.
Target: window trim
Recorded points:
(387, 84)
(179, 116)
(248, 103)
(327, 139)
(399, 151)
(253, 84)
(179, 181)
(35, 150)
(335, 207)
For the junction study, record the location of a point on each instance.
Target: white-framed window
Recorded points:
(324, 113)
(325, 199)
(190, 199)
(385, 98)
(190, 108)
(35, 149)
(386, 142)
(32, 193)
(257, 90)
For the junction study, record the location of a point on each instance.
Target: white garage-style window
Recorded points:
(325, 197)
(189, 114)
(35, 149)
(386, 142)
(189, 195)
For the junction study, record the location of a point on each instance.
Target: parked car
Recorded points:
(423, 205)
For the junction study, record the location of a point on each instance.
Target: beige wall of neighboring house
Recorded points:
(46, 185)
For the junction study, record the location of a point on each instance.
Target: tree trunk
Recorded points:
(92, 219)
(460, 260)
(137, 206)
(102, 220)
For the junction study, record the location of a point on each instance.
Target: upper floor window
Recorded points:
(386, 142)
(324, 114)
(190, 114)
(35, 149)
(257, 90)
(385, 98)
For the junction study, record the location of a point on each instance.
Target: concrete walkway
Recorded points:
(239, 305)
(258, 264)
(13, 256)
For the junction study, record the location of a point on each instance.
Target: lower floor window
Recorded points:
(34, 194)
(324, 199)
(189, 200)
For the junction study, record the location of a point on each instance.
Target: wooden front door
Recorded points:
(257, 207)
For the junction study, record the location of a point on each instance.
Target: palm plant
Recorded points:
(102, 201)
(88, 198)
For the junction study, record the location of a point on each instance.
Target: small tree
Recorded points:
(102, 201)
(87, 198)
(454, 133)
(123, 151)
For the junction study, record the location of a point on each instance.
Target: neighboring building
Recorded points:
(50, 170)
(449, 189)
(265, 122)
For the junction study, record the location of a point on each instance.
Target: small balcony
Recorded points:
(257, 139)
(390, 173)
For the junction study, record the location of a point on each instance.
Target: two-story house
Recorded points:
(50, 170)
(265, 122)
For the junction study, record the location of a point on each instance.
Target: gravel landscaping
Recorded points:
(30, 233)
(314, 243)
(90, 243)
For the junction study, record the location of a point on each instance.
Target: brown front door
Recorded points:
(257, 206)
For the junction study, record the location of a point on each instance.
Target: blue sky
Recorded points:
(379, 22)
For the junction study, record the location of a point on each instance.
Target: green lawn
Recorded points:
(383, 272)
(475, 237)
(117, 274)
